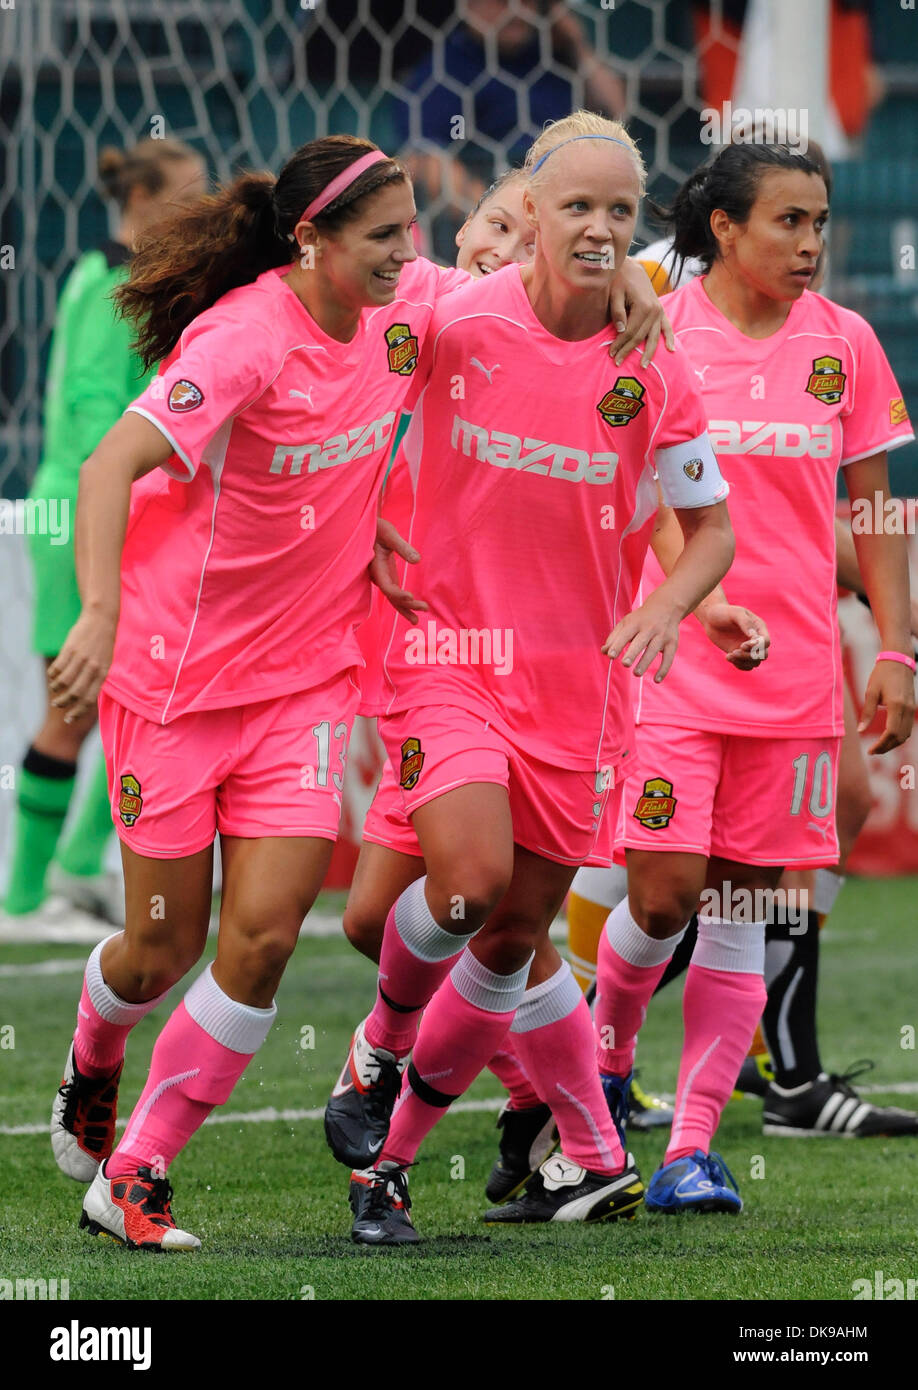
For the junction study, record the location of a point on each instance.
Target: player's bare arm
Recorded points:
(131, 448)
(738, 632)
(653, 629)
(883, 563)
(389, 544)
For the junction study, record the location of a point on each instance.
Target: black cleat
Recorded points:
(647, 1111)
(829, 1106)
(563, 1191)
(380, 1203)
(527, 1138)
(358, 1114)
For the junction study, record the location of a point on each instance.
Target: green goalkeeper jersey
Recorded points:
(92, 374)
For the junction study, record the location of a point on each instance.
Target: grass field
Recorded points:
(270, 1203)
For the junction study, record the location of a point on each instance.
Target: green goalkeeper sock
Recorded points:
(45, 789)
(84, 848)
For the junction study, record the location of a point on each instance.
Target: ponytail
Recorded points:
(731, 184)
(196, 255)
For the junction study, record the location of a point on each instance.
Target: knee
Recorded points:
(262, 947)
(662, 907)
(466, 893)
(153, 967)
(364, 930)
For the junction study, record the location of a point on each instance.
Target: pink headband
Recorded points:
(341, 182)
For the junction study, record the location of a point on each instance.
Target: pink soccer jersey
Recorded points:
(784, 413)
(533, 463)
(244, 569)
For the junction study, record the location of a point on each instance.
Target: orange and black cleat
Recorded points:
(135, 1210)
(83, 1120)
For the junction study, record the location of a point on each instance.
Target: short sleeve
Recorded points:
(222, 365)
(684, 457)
(877, 419)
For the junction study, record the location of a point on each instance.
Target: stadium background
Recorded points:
(246, 81)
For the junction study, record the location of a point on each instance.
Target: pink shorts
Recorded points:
(271, 768)
(753, 800)
(556, 812)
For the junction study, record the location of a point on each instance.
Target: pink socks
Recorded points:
(416, 957)
(629, 968)
(204, 1048)
(723, 1001)
(464, 1025)
(553, 1033)
(104, 1021)
(507, 1066)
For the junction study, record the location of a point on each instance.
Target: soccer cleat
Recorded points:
(136, 1211)
(617, 1091)
(755, 1076)
(358, 1113)
(646, 1111)
(527, 1138)
(83, 1120)
(380, 1203)
(697, 1182)
(563, 1191)
(831, 1107)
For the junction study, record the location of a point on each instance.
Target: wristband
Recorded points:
(908, 661)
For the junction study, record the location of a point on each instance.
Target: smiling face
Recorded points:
(361, 261)
(585, 208)
(497, 233)
(776, 250)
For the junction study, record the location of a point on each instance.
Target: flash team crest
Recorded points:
(827, 380)
(130, 801)
(412, 762)
(656, 804)
(620, 405)
(403, 349)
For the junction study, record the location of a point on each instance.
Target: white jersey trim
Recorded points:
(877, 449)
(176, 447)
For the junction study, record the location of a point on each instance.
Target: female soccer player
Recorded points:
(246, 520)
(505, 723)
(92, 376)
(242, 489)
(734, 778)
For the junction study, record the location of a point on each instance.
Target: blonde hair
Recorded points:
(577, 125)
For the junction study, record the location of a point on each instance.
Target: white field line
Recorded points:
(261, 1117)
(270, 1115)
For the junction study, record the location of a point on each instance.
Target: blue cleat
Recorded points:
(697, 1182)
(617, 1091)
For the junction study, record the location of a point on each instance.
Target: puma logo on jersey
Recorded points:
(773, 437)
(505, 450)
(822, 829)
(700, 371)
(304, 395)
(482, 368)
(340, 448)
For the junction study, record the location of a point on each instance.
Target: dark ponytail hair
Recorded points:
(187, 261)
(142, 164)
(730, 183)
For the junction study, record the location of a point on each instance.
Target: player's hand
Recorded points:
(650, 631)
(75, 677)
(738, 632)
(892, 685)
(382, 569)
(638, 315)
